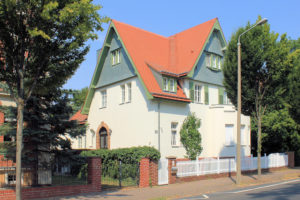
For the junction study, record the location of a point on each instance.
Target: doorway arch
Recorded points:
(103, 136)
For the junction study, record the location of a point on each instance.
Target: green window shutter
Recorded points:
(221, 95)
(206, 94)
(175, 85)
(191, 90)
(163, 84)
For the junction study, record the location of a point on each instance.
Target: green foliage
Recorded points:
(53, 33)
(266, 63)
(129, 157)
(78, 98)
(126, 155)
(47, 122)
(190, 137)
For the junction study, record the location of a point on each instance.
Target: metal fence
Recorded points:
(55, 174)
(217, 166)
(116, 174)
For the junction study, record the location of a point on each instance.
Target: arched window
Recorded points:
(103, 138)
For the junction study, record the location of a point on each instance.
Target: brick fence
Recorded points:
(148, 173)
(94, 185)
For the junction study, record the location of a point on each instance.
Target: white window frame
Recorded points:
(214, 61)
(116, 59)
(129, 92)
(208, 60)
(243, 135)
(122, 93)
(226, 100)
(174, 134)
(172, 85)
(197, 93)
(166, 83)
(220, 62)
(103, 99)
(229, 135)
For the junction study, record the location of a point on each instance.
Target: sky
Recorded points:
(168, 17)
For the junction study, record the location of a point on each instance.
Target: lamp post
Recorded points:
(239, 102)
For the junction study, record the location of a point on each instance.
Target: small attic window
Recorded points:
(169, 84)
(214, 61)
(116, 56)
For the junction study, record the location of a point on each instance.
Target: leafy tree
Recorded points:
(294, 83)
(42, 44)
(190, 137)
(266, 63)
(78, 98)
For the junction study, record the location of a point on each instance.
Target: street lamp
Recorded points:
(239, 102)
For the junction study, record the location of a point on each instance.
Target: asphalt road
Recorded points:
(287, 190)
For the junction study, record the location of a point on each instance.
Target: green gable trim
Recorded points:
(224, 43)
(106, 45)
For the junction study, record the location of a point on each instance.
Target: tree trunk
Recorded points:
(259, 144)
(20, 118)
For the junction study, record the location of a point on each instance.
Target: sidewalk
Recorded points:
(188, 188)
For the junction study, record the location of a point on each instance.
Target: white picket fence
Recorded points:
(217, 166)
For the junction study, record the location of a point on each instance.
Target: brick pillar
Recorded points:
(172, 173)
(291, 159)
(154, 172)
(94, 172)
(144, 172)
(1, 122)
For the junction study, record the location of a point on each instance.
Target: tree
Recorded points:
(266, 63)
(294, 83)
(78, 98)
(190, 137)
(42, 44)
(47, 123)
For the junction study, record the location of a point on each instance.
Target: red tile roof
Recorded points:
(81, 118)
(174, 56)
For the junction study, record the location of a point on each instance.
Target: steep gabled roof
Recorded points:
(174, 56)
(78, 116)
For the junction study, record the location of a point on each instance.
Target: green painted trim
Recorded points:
(191, 84)
(206, 95)
(216, 26)
(99, 66)
(221, 95)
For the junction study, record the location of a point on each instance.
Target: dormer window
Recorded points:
(116, 56)
(169, 84)
(214, 61)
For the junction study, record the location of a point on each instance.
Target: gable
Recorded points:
(114, 73)
(202, 73)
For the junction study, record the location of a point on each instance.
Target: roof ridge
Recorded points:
(214, 19)
(140, 29)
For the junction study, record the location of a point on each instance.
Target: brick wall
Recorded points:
(94, 185)
(154, 172)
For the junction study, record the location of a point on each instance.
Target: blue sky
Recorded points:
(167, 17)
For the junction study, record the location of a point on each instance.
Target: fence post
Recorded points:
(120, 173)
(218, 164)
(197, 167)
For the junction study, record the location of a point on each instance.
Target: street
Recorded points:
(286, 190)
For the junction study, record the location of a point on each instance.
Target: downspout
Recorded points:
(158, 124)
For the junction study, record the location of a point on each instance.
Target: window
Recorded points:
(226, 99)
(169, 84)
(243, 135)
(11, 179)
(103, 138)
(103, 99)
(122, 93)
(214, 61)
(166, 85)
(208, 60)
(174, 133)
(79, 142)
(197, 94)
(129, 92)
(172, 85)
(229, 134)
(115, 56)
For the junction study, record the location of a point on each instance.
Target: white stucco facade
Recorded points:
(135, 123)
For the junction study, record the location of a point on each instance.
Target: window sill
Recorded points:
(229, 145)
(175, 146)
(102, 107)
(115, 64)
(198, 102)
(214, 69)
